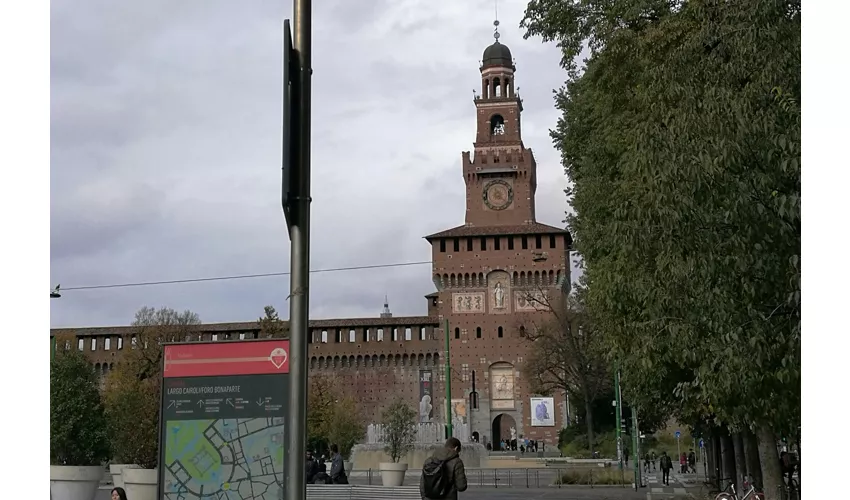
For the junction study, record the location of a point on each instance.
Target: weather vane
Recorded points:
(496, 22)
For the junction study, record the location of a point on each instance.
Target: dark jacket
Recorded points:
(338, 470)
(455, 470)
(311, 469)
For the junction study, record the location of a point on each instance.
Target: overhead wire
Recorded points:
(240, 276)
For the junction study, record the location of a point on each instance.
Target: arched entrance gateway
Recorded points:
(502, 425)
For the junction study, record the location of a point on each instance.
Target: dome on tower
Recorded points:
(497, 55)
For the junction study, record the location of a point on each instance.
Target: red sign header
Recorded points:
(209, 359)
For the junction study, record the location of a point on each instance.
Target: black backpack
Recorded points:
(435, 479)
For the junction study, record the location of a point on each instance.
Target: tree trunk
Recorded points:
(740, 461)
(711, 448)
(769, 457)
(751, 453)
(727, 460)
(588, 417)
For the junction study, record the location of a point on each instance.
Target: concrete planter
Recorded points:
(115, 472)
(140, 484)
(74, 483)
(392, 474)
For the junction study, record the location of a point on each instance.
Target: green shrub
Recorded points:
(606, 445)
(78, 426)
(595, 476)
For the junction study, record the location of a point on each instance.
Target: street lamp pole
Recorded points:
(296, 205)
(619, 405)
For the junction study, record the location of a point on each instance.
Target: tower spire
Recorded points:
(386, 313)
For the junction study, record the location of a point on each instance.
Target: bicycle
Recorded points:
(730, 494)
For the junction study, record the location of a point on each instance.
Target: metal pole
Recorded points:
(619, 404)
(635, 446)
(299, 235)
(449, 430)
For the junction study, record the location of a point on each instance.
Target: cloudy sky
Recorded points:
(165, 149)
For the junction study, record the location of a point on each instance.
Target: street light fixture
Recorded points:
(54, 294)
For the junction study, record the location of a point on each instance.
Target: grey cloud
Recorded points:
(165, 149)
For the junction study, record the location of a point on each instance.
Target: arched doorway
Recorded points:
(502, 428)
(476, 437)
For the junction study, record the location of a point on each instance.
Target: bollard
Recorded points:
(526, 479)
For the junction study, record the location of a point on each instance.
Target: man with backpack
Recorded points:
(443, 475)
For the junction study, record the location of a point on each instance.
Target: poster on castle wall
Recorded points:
(531, 301)
(222, 428)
(426, 399)
(542, 412)
(459, 413)
(468, 302)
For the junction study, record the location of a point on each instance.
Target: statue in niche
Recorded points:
(513, 433)
(499, 295)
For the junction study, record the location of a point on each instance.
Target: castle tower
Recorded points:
(500, 177)
(485, 269)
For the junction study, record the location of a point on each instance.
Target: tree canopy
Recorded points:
(681, 136)
(271, 326)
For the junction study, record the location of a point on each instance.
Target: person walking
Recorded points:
(653, 457)
(665, 464)
(692, 461)
(443, 474)
(337, 467)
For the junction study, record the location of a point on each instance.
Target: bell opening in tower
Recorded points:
(497, 125)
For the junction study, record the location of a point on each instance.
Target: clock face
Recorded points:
(498, 195)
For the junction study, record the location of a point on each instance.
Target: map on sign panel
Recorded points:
(233, 459)
(223, 410)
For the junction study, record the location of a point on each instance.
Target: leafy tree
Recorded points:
(682, 140)
(563, 354)
(133, 391)
(321, 400)
(132, 408)
(77, 420)
(271, 326)
(150, 329)
(345, 427)
(399, 421)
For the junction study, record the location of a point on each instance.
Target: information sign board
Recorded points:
(222, 419)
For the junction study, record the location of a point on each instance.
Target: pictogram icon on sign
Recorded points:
(278, 357)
